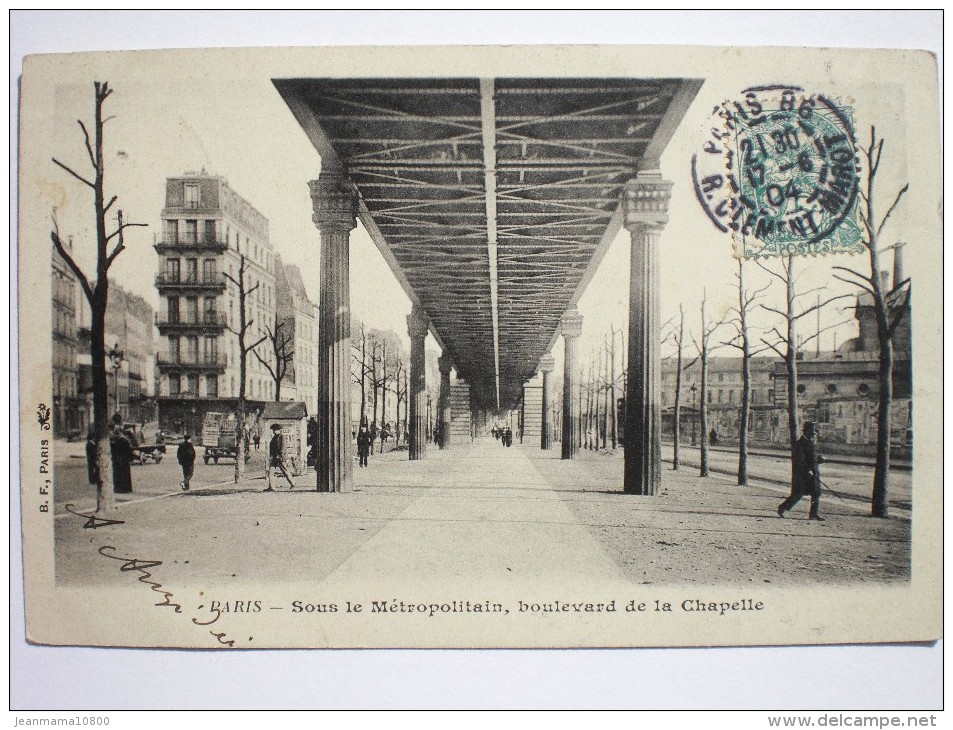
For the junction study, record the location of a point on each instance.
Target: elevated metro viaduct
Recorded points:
(493, 201)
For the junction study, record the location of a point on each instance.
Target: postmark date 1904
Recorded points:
(779, 173)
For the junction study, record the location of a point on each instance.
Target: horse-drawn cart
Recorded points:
(219, 437)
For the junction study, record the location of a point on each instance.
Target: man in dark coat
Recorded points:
(92, 463)
(363, 445)
(186, 457)
(276, 456)
(122, 461)
(807, 477)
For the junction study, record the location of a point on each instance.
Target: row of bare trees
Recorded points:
(380, 369)
(785, 340)
(601, 385)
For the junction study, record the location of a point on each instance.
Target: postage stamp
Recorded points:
(780, 173)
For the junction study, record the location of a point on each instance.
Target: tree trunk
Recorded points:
(677, 426)
(745, 381)
(581, 425)
(703, 408)
(878, 499)
(745, 413)
(363, 392)
(882, 468)
(104, 490)
(104, 496)
(703, 461)
(791, 363)
(615, 405)
(605, 403)
(592, 417)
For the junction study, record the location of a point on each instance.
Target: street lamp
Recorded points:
(116, 356)
(694, 390)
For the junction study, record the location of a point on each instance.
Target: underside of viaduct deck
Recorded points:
(492, 200)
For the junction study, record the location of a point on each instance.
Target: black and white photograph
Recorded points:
(500, 347)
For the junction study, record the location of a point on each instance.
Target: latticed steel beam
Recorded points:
(510, 182)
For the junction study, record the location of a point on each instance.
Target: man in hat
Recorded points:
(276, 456)
(807, 478)
(186, 457)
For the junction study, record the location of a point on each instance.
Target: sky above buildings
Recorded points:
(218, 111)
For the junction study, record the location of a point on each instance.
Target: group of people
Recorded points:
(503, 434)
(122, 444)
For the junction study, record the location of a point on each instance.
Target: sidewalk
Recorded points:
(832, 458)
(483, 511)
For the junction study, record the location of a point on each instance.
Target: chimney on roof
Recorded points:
(898, 263)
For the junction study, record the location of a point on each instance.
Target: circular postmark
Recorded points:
(779, 172)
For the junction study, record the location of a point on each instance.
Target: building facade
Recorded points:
(724, 393)
(838, 390)
(130, 356)
(69, 416)
(297, 316)
(210, 234)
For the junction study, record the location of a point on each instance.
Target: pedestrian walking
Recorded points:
(257, 438)
(508, 437)
(276, 456)
(92, 462)
(807, 477)
(363, 445)
(186, 457)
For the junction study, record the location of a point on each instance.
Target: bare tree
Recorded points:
(360, 363)
(244, 325)
(742, 342)
(789, 340)
(282, 347)
(708, 328)
(604, 424)
(383, 346)
(400, 395)
(612, 392)
(678, 337)
(97, 290)
(888, 312)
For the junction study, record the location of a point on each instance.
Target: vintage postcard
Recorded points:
(554, 346)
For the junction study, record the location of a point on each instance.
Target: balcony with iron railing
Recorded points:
(190, 243)
(204, 281)
(206, 321)
(216, 361)
(182, 395)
